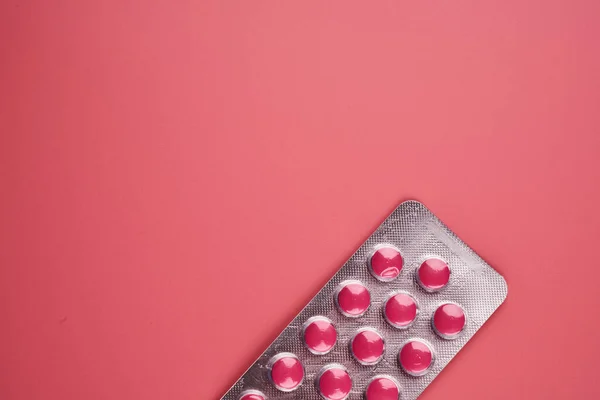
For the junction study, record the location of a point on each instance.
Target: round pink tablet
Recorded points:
(416, 357)
(433, 274)
(319, 335)
(334, 382)
(367, 346)
(386, 263)
(353, 298)
(400, 310)
(383, 388)
(286, 371)
(449, 320)
(252, 395)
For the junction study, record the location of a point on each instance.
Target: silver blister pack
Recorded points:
(362, 347)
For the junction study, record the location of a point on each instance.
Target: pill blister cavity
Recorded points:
(433, 274)
(383, 387)
(416, 357)
(252, 395)
(400, 310)
(449, 320)
(385, 263)
(334, 382)
(319, 335)
(367, 346)
(286, 372)
(353, 298)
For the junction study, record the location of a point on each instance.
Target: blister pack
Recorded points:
(388, 321)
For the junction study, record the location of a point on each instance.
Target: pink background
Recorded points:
(162, 163)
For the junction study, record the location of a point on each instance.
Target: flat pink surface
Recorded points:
(179, 178)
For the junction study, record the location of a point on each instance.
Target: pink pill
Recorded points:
(319, 335)
(334, 382)
(386, 263)
(401, 310)
(449, 320)
(353, 298)
(416, 357)
(433, 274)
(252, 395)
(383, 387)
(286, 372)
(367, 346)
